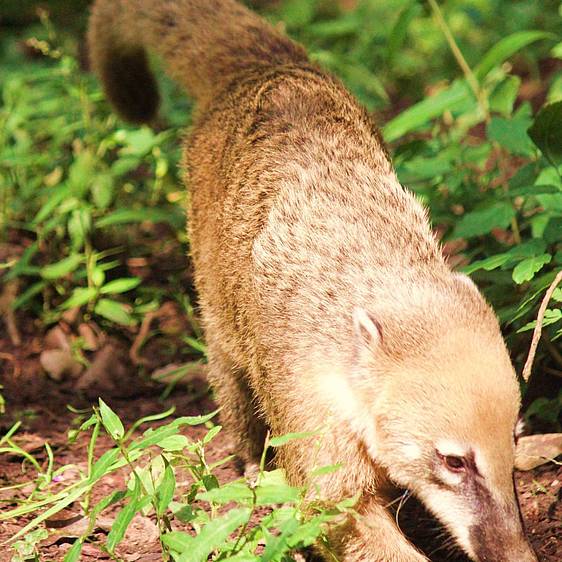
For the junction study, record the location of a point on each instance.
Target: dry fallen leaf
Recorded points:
(534, 450)
(60, 362)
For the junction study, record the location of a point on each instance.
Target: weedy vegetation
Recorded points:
(477, 138)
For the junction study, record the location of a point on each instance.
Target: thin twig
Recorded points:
(538, 328)
(457, 53)
(134, 352)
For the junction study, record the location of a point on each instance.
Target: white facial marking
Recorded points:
(450, 509)
(481, 464)
(445, 448)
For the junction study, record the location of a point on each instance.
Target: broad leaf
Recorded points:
(506, 47)
(426, 110)
(483, 221)
(525, 270)
(111, 421)
(114, 312)
(546, 132)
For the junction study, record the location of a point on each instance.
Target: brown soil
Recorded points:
(40, 404)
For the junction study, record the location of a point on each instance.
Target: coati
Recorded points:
(325, 298)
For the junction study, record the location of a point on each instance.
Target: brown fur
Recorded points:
(326, 302)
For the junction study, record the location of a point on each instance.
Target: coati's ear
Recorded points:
(367, 329)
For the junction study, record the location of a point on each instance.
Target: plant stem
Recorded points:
(538, 327)
(457, 53)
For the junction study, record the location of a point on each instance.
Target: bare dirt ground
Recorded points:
(40, 404)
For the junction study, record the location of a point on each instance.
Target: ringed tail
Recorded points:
(205, 44)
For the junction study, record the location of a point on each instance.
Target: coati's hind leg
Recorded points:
(238, 409)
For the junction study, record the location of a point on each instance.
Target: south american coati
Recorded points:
(325, 298)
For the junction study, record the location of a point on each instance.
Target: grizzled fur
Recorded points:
(326, 301)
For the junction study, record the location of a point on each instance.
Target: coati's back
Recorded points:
(325, 299)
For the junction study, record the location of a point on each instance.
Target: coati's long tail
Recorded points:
(204, 43)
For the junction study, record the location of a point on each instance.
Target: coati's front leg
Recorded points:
(238, 412)
(372, 536)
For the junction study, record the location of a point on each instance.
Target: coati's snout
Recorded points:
(444, 422)
(479, 508)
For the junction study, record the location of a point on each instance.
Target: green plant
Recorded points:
(151, 462)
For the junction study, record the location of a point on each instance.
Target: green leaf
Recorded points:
(511, 134)
(79, 297)
(124, 518)
(28, 294)
(506, 47)
(273, 488)
(363, 78)
(298, 13)
(332, 29)
(138, 142)
(174, 443)
(482, 221)
(553, 230)
(79, 226)
(183, 512)
(504, 95)
(154, 436)
(211, 434)
(120, 285)
(488, 264)
(307, 533)
(165, 491)
(194, 420)
(556, 51)
(210, 482)
(81, 173)
(102, 190)
(426, 110)
(551, 316)
(213, 535)
(98, 276)
(525, 270)
(178, 541)
(114, 311)
(546, 132)
(55, 197)
(399, 31)
(62, 268)
(103, 464)
(236, 491)
(173, 216)
(551, 202)
(125, 164)
(111, 421)
(277, 545)
(73, 555)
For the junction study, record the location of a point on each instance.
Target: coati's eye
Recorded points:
(454, 463)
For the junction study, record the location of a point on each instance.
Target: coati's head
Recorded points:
(439, 413)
